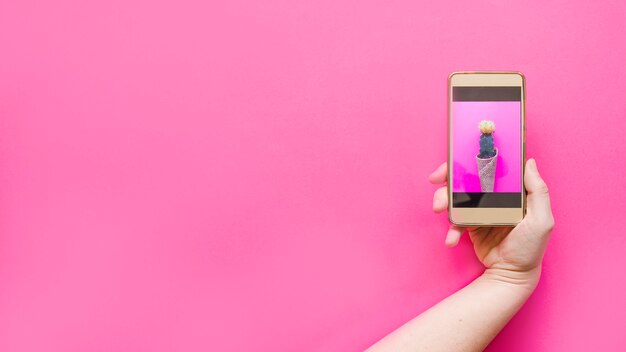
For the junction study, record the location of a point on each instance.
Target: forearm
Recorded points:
(467, 320)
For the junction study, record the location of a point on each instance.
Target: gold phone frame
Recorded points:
(486, 216)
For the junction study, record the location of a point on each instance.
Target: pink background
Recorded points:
(466, 136)
(251, 175)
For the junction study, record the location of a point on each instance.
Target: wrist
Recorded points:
(525, 280)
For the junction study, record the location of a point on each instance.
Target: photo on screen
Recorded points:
(486, 146)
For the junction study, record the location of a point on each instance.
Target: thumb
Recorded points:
(537, 198)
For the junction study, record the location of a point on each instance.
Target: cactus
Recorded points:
(487, 149)
(486, 146)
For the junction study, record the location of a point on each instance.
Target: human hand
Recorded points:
(511, 254)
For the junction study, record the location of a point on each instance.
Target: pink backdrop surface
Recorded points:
(251, 175)
(466, 136)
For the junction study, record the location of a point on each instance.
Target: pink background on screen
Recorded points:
(466, 136)
(251, 175)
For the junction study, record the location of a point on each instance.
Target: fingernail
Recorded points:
(532, 163)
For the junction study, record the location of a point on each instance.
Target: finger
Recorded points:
(440, 200)
(440, 175)
(454, 235)
(537, 198)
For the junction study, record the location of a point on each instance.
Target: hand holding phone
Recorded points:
(508, 253)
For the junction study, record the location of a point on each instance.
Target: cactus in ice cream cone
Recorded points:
(486, 159)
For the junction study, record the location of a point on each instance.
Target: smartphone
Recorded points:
(486, 148)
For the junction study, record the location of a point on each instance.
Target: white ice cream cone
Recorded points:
(487, 172)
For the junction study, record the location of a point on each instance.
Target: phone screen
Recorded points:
(486, 136)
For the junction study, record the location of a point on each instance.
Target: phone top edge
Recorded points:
(486, 78)
(519, 73)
